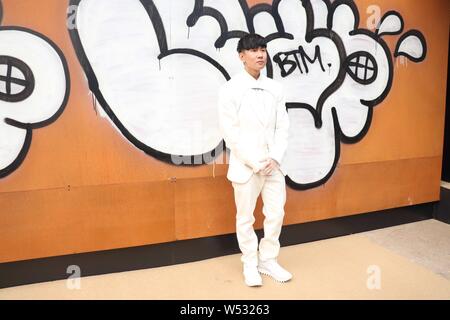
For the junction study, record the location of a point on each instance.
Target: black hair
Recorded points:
(251, 41)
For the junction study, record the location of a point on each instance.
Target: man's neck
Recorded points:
(254, 73)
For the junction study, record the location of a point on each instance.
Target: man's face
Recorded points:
(254, 59)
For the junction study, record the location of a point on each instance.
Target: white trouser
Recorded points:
(273, 191)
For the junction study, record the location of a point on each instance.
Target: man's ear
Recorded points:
(241, 56)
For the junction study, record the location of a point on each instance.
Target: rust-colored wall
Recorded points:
(83, 187)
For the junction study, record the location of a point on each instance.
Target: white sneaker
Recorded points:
(252, 276)
(272, 269)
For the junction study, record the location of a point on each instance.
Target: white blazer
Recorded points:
(254, 123)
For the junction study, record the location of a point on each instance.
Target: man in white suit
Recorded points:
(255, 124)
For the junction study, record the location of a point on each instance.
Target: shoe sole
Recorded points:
(254, 285)
(267, 273)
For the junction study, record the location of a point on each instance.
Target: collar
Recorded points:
(253, 83)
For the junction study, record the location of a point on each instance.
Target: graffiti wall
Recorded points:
(126, 148)
(160, 89)
(34, 88)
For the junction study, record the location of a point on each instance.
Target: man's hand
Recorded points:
(269, 166)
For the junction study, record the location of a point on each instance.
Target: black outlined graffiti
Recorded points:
(343, 72)
(393, 23)
(413, 36)
(159, 29)
(24, 81)
(34, 90)
(292, 58)
(362, 67)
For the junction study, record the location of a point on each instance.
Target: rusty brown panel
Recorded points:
(205, 207)
(360, 188)
(56, 222)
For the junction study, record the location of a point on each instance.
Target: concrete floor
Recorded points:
(426, 243)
